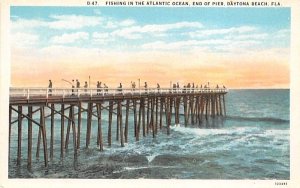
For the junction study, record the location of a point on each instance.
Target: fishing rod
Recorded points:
(67, 81)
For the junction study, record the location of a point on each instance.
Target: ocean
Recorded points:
(251, 142)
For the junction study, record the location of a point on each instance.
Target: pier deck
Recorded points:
(153, 109)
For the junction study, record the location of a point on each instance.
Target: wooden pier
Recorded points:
(152, 109)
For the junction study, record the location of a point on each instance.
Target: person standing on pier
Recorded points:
(85, 87)
(77, 86)
(50, 87)
(146, 87)
(174, 88)
(120, 88)
(98, 87)
(133, 86)
(158, 87)
(106, 88)
(193, 87)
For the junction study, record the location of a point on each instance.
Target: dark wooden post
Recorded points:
(220, 105)
(156, 114)
(161, 112)
(143, 116)
(134, 117)
(206, 107)
(192, 109)
(69, 127)
(120, 123)
(126, 120)
(79, 125)
(100, 139)
(29, 151)
(111, 106)
(185, 111)
(148, 115)
(62, 131)
(170, 111)
(89, 124)
(19, 134)
(39, 140)
(152, 117)
(52, 132)
(74, 133)
(137, 128)
(44, 135)
(167, 108)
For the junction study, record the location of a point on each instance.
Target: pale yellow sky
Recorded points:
(254, 70)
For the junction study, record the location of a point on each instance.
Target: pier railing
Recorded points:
(91, 92)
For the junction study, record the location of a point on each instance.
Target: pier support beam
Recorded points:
(44, 136)
(62, 131)
(99, 138)
(19, 134)
(126, 120)
(29, 151)
(52, 132)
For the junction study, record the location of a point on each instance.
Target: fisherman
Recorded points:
(193, 87)
(50, 87)
(106, 88)
(85, 87)
(120, 88)
(188, 87)
(146, 87)
(98, 87)
(174, 88)
(77, 85)
(133, 86)
(158, 87)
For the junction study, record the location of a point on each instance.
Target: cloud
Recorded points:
(68, 38)
(255, 36)
(102, 37)
(73, 21)
(127, 22)
(58, 22)
(25, 24)
(283, 33)
(136, 32)
(24, 40)
(202, 44)
(220, 31)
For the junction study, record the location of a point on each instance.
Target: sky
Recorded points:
(235, 47)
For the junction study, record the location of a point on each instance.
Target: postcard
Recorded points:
(150, 93)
